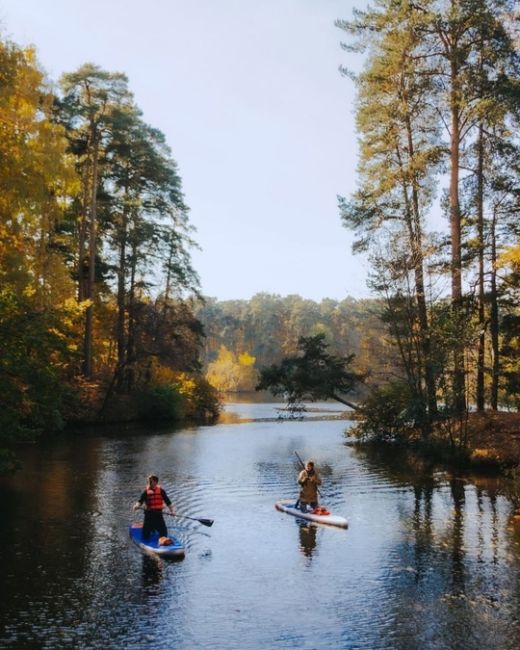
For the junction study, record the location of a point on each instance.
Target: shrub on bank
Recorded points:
(201, 399)
(386, 414)
(183, 397)
(488, 441)
(34, 353)
(160, 402)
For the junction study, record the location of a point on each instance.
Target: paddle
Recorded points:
(204, 522)
(303, 467)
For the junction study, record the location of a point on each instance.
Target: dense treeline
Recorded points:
(95, 271)
(99, 310)
(243, 336)
(438, 121)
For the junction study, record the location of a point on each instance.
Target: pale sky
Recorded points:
(259, 119)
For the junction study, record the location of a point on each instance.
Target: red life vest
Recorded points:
(154, 500)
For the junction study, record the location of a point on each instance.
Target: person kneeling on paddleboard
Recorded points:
(308, 480)
(154, 498)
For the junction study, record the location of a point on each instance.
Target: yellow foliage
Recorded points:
(73, 307)
(56, 332)
(246, 359)
(484, 455)
(28, 292)
(185, 384)
(162, 375)
(229, 373)
(36, 174)
(85, 304)
(510, 256)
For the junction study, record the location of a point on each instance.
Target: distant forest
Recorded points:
(243, 336)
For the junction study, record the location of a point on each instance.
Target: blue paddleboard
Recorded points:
(152, 546)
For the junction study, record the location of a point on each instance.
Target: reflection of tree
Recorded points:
(422, 525)
(307, 539)
(457, 554)
(494, 529)
(451, 569)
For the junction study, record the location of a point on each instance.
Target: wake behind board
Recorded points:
(152, 546)
(329, 519)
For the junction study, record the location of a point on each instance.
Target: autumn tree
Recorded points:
(232, 372)
(36, 313)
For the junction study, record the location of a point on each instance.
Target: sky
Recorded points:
(258, 116)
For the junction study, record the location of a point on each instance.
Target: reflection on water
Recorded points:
(153, 569)
(307, 538)
(430, 560)
(459, 554)
(240, 410)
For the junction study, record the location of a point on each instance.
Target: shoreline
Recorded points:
(493, 444)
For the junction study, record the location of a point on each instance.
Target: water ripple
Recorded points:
(427, 562)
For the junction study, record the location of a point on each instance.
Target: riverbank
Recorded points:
(189, 399)
(492, 443)
(494, 438)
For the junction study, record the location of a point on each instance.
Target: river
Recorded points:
(428, 561)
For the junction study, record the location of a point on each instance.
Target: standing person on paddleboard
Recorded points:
(154, 498)
(308, 480)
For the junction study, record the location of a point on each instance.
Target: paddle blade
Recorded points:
(206, 522)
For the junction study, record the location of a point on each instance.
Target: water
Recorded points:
(429, 561)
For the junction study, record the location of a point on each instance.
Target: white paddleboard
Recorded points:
(288, 506)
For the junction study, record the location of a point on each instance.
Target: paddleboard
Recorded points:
(329, 519)
(152, 546)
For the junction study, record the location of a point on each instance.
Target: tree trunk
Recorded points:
(418, 261)
(121, 299)
(130, 343)
(354, 407)
(493, 316)
(89, 315)
(82, 238)
(480, 397)
(459, 397)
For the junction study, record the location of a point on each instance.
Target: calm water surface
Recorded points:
(429, 561)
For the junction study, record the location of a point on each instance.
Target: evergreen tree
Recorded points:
(91, 99)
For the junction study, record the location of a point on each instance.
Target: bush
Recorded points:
(387, 414)
(201, 399)
(185, 398)
(160, 402)
(34, 351)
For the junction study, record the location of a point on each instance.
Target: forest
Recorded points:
(102, 316)
(437, 203)
(97, 284)
(244, 336)
(436, 211)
